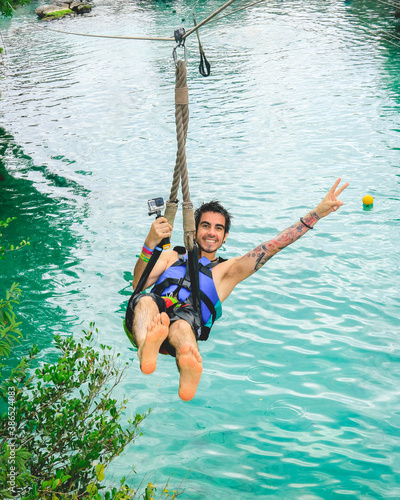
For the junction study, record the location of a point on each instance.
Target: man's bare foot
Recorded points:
(157, 332)
(190, 369)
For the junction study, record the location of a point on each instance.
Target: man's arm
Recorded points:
(159, 230)
(241, 268)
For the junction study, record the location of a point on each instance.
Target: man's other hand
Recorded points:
(331, 202)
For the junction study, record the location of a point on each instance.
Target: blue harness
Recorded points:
(175, 281)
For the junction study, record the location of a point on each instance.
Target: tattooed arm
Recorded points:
(261, 254)
(236, 270)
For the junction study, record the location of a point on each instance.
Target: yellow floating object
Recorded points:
(368, 199)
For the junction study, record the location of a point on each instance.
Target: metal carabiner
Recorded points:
(180, 42)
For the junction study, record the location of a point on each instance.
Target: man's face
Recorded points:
(210, 234)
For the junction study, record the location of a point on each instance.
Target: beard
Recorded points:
(211, 250)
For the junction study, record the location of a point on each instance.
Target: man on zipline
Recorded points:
(164, 321)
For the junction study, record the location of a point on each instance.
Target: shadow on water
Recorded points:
(46, 220)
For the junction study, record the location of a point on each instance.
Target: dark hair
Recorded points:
(216, 207)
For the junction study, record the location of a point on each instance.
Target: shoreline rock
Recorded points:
(59, 9)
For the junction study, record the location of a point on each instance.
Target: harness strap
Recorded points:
(147, 270)
(186, 283)
(193, 267)
(210, 306)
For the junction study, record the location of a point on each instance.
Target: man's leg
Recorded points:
(149, 330)
(188, 358)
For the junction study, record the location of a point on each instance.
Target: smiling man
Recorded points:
(164, 320)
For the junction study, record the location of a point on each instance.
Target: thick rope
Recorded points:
(181, 102)
(180, 171)
(182, 120)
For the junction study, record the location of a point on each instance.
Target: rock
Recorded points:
(45, 9)
(58, 14)
(60, 9)
(53, 11)
(80, 8)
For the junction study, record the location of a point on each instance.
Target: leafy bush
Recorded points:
(66, 425)
(9, 331)
(62, 427)
(7, 6)
(9, 248)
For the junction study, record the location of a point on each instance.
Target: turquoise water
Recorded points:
(299, 397)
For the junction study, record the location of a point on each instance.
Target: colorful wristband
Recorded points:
(147, 249)
(144, 257)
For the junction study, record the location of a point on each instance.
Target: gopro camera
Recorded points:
(156, 206)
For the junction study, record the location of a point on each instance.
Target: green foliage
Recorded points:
(62, 427)
(67, 422)
(67, 426)
(151, 490)
(9, 248)
(7, 6)
(9, 331)
(59, 13)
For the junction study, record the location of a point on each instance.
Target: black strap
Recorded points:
(150, 265)
(193, 267)
(205, 333)
(180, 251)
(203, 61)
(209, 305)
(147, 270)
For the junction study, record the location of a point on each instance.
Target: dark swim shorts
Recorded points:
(174, 311)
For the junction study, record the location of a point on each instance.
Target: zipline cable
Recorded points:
(193, 6)
(153, 38)
(387, 33)
(208, 19)
(393, 43)
(390, 34)
(397, 5)
(237, 10)
(163, 39)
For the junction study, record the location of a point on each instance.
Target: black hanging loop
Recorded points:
(204, 66)
(180, 42)
(203, 61)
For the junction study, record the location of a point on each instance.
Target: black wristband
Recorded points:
(301, 220)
